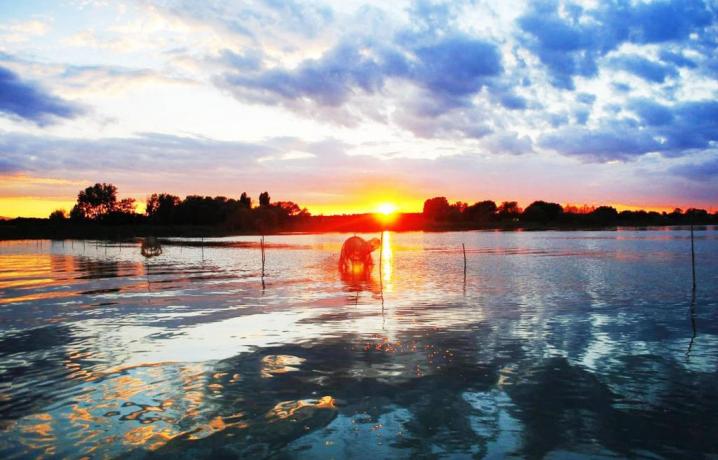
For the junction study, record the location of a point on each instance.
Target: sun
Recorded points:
(386, 213)
(386, 209)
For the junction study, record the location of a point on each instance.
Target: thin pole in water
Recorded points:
(463, 248)
(693, 295)
(261, 245)
(693, 259)
(693, 324)
(381, 254)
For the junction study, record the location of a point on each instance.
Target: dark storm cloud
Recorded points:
(29, 101)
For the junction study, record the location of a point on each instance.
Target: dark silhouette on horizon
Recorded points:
(99, 213)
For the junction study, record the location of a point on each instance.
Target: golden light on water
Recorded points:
(386, 258)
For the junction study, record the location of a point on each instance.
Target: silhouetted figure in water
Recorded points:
(355, 264)
(356, 254)
(150, 248)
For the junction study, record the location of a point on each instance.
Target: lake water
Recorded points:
(554, 344)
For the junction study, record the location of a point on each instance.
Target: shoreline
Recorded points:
(70, 231)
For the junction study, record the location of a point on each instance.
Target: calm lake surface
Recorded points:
(555, 344)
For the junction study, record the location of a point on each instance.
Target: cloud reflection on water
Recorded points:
(593, 343)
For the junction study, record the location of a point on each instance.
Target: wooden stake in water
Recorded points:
(693, 324)
(381, 254)
(261, 245)
(463, 249)
(693, 259)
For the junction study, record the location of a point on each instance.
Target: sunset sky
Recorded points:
(346, 105)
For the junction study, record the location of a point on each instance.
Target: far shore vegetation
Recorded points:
(98, 213)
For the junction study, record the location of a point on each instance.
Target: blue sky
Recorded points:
(341, 106)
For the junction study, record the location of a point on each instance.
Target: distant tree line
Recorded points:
(99, 211)
(438, 211)
(99, 204)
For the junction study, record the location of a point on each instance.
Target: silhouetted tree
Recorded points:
(696, 216)
(456, 211)
(95, 202)
(437, 209)
(245, 201)
(122, 213)
(58, 215)
(573, 209)
(482, 211)
(508, 210)
(604, 215)
(161, 208)
(288, 208)
(125, 206)
(676, 215)
(203, 210)
(264, 199)
(541, 211)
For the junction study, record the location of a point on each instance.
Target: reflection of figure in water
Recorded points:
(150, 248)
(356, 254)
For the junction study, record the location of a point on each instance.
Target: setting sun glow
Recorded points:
(386, 212)
(386, 208)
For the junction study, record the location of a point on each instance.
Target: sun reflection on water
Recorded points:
(386, 260)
